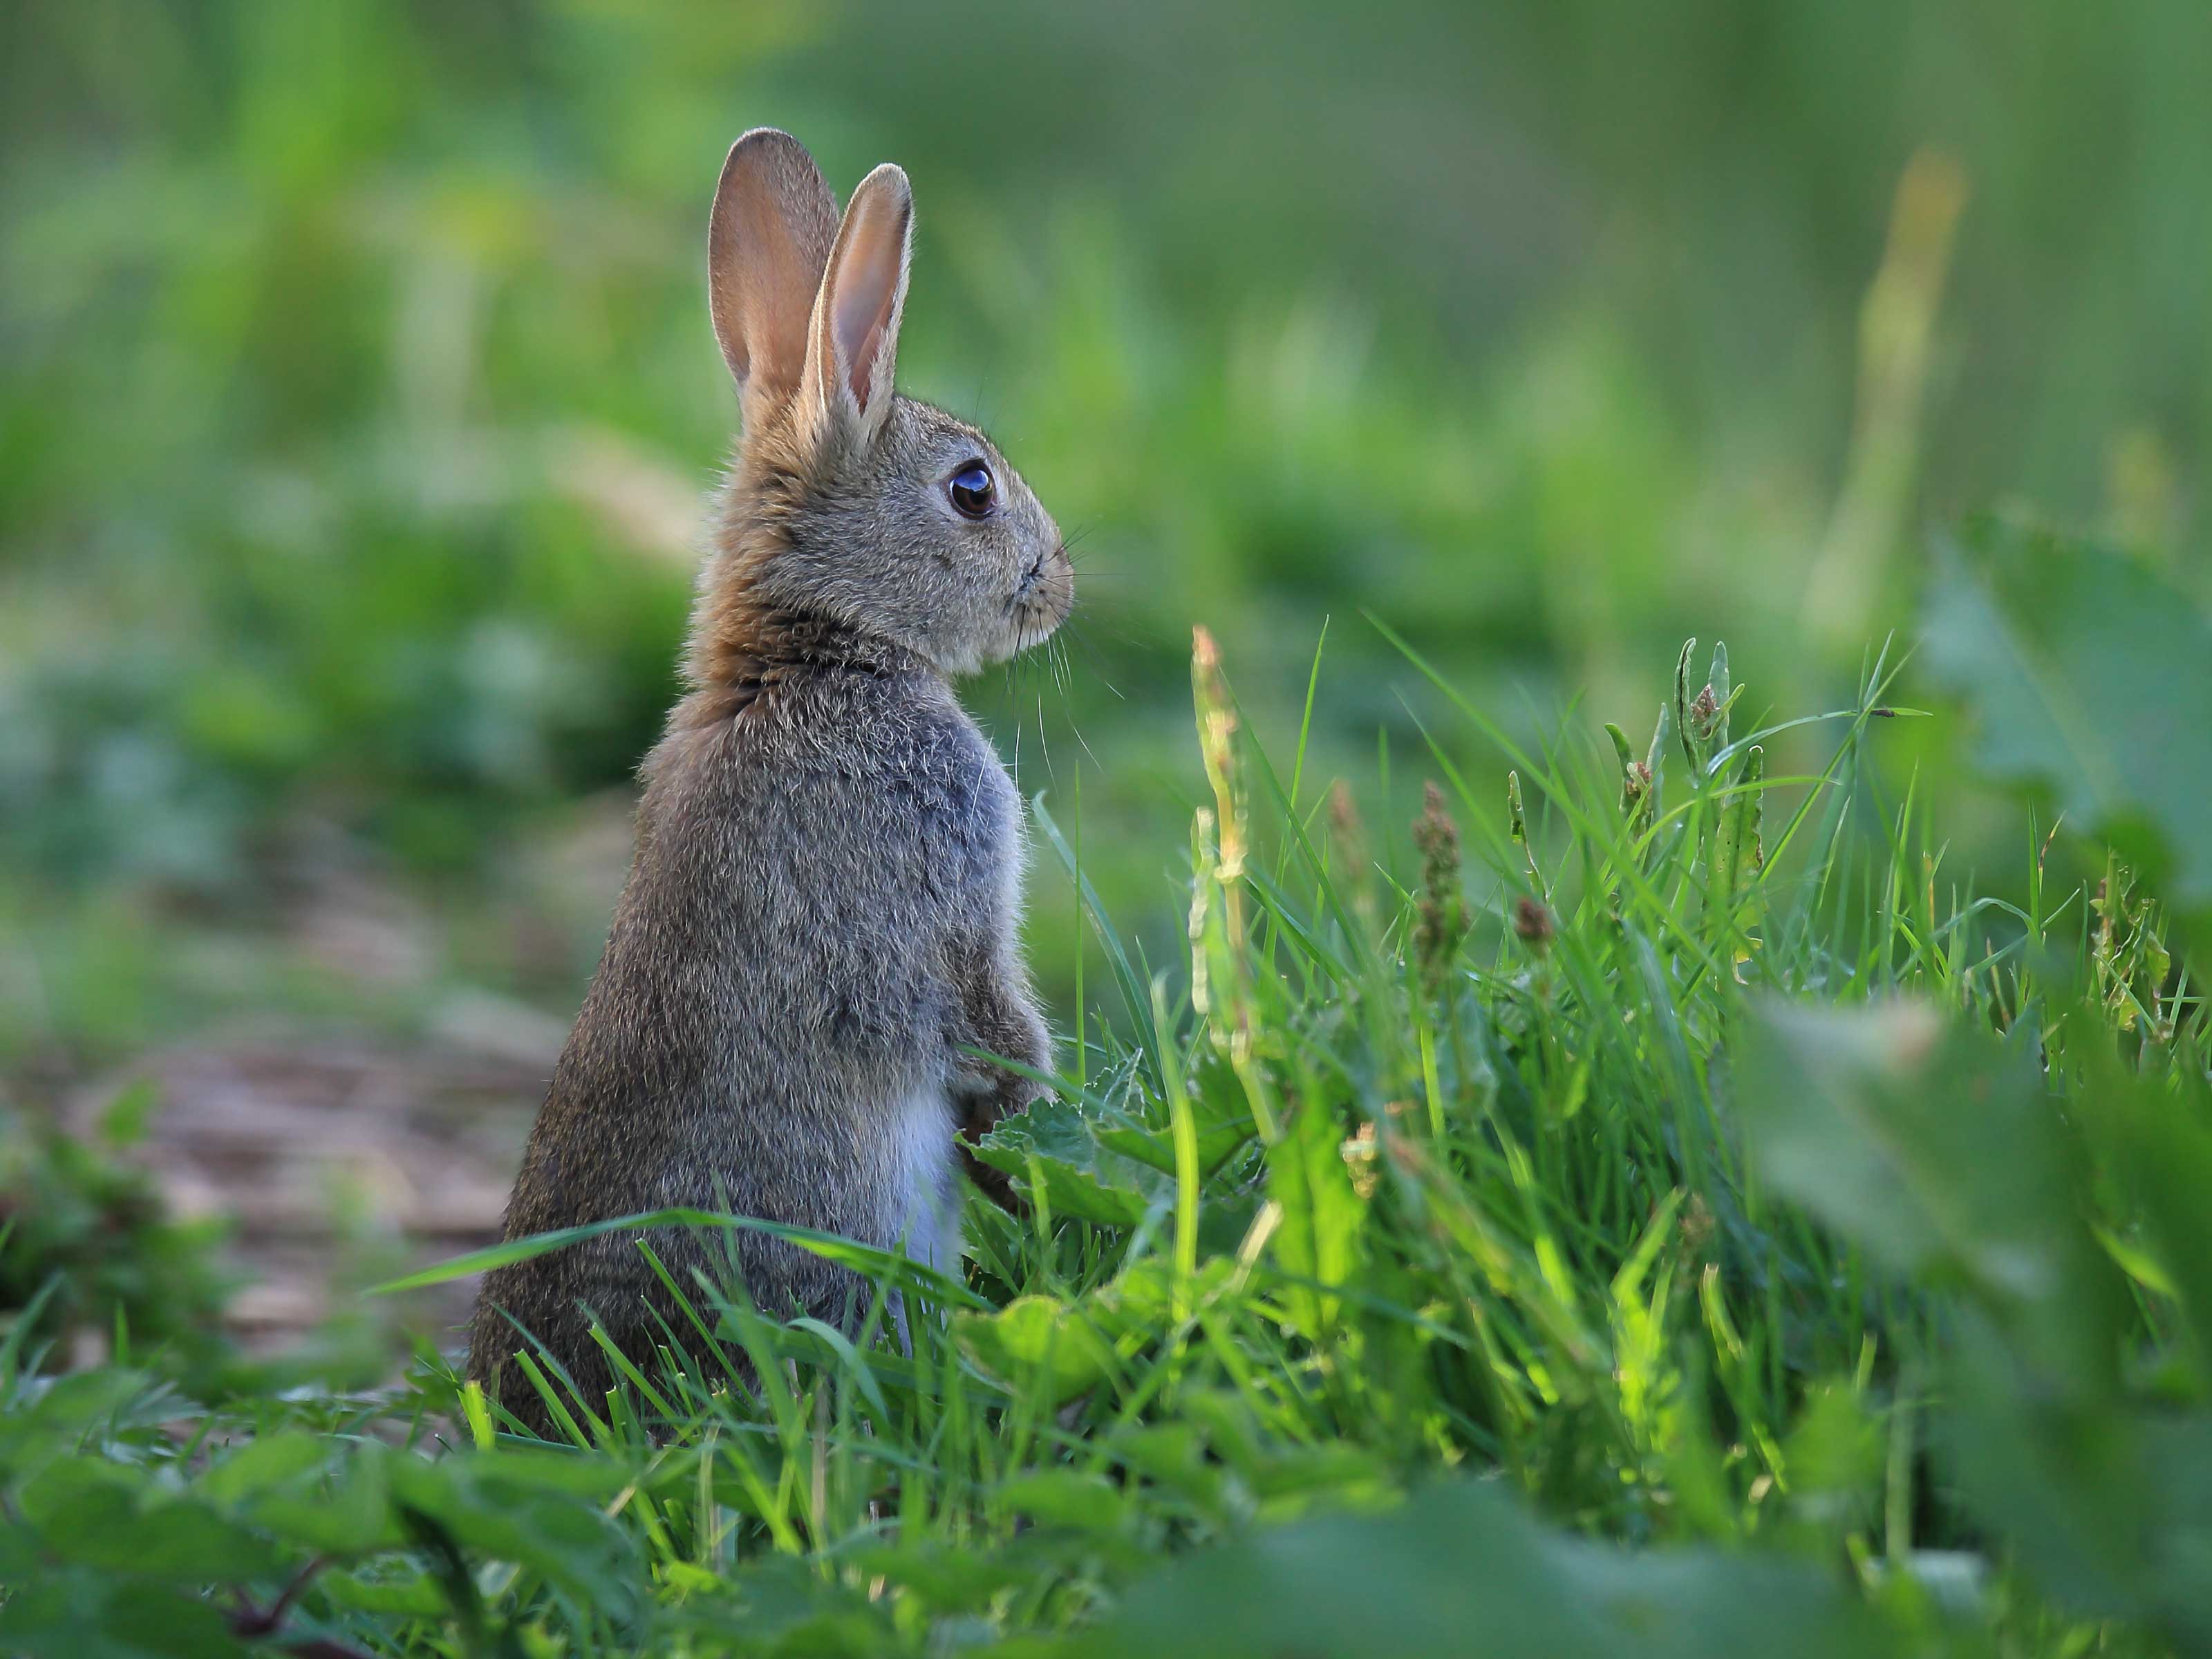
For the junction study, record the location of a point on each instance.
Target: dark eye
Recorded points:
(972, 490)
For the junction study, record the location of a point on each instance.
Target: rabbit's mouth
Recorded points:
(1042, 598)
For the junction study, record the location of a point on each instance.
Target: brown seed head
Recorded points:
(1441, 922)
(1533, 924)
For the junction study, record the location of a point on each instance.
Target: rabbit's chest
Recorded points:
(999, 815)
(966, 811)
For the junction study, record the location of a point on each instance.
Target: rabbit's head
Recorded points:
(852, 506)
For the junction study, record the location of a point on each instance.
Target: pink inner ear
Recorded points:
(867, 282)
(863, 359)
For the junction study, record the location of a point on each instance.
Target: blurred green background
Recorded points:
(358, 402)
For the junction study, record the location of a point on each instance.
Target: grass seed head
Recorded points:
(1441, 922)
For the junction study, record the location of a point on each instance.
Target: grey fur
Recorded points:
(822, 912)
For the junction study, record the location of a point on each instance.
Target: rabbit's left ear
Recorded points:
(852, 346)
(767, 246)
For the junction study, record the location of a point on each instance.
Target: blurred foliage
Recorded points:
(1690, 1233)
(90, 1256)
(2090, 673)
(1674, 1192)
(357, 402)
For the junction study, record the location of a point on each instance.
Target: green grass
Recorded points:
(1755, 1207)
(1615, 1216)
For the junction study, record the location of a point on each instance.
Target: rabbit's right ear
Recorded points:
(768, 244)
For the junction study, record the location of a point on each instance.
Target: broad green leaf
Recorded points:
(1941, 1151)
(783, 1606)
(1056, 1144)
(403, 1590)
(581, 1474)
(1066, 1347)
(268, 1461)
(569, 1540)
(2105, 1502)
(1140, 1300)
(1936, 1147)
(73, 1612)
(1066, 1497)
(943, 1577)
(1317, 1242)
(2165, 1138)
(2090, 673)
(348, 1514)
(1332, 1471)
(1172, 1456)
(89, 1510)
(1459, 1572)
(1037, 1343)
(68, 1409)
(1217, 1140)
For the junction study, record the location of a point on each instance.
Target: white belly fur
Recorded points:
(927, 1220)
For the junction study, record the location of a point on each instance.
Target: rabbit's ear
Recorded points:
(853, 347)
(775, 219)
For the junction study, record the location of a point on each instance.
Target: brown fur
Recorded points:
(821, 914)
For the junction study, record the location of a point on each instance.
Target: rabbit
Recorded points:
(819, 927)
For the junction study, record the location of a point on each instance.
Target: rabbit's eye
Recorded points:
(972, 490)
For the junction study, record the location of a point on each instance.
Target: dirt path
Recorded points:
(340, 1164)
